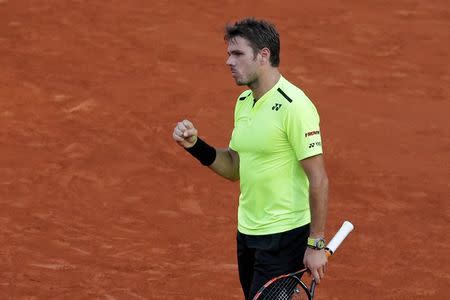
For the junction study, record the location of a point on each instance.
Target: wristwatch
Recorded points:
(316, 244)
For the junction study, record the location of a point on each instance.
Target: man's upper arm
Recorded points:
(314, 168)
(235, 158)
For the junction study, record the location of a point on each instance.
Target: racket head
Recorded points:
(289, 286)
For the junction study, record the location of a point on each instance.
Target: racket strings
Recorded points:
(282, 289)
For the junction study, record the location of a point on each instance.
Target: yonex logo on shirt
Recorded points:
(276, 106)
(312, 145)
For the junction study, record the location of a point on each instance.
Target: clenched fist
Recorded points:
(185, 134)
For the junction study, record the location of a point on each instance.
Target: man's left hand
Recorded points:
(316, 261)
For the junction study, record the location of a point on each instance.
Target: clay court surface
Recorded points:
(98, 202)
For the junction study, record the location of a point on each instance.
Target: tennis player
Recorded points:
(276, 153)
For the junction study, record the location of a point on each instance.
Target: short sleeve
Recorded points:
(302, 128)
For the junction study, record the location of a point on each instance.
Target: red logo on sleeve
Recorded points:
(312, 133)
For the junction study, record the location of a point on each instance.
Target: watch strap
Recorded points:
(316, 243)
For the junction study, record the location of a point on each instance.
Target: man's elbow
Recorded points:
(325, 182)
(319, 182)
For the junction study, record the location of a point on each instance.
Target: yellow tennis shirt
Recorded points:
(271, 136)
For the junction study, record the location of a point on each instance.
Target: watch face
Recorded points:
(320, 244)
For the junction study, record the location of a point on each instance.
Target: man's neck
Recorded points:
(264, 83)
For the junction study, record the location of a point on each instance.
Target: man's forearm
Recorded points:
(225, 165)
(318, 201)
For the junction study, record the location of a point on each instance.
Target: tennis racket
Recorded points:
(291, 286)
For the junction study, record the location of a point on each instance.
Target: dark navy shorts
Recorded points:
(262, 257)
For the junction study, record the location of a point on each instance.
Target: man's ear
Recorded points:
(265, 56)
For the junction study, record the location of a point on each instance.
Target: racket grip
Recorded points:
(342, 233)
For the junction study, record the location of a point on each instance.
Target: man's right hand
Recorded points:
(185, 134)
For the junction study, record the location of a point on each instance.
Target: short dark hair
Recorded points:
(259, 33)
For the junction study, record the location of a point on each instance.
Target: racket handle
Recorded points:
(342, 233)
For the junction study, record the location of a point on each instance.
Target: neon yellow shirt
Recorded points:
(271, 136)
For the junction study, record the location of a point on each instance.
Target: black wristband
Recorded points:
(203, 152)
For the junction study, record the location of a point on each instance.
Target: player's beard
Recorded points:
(248, 81)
